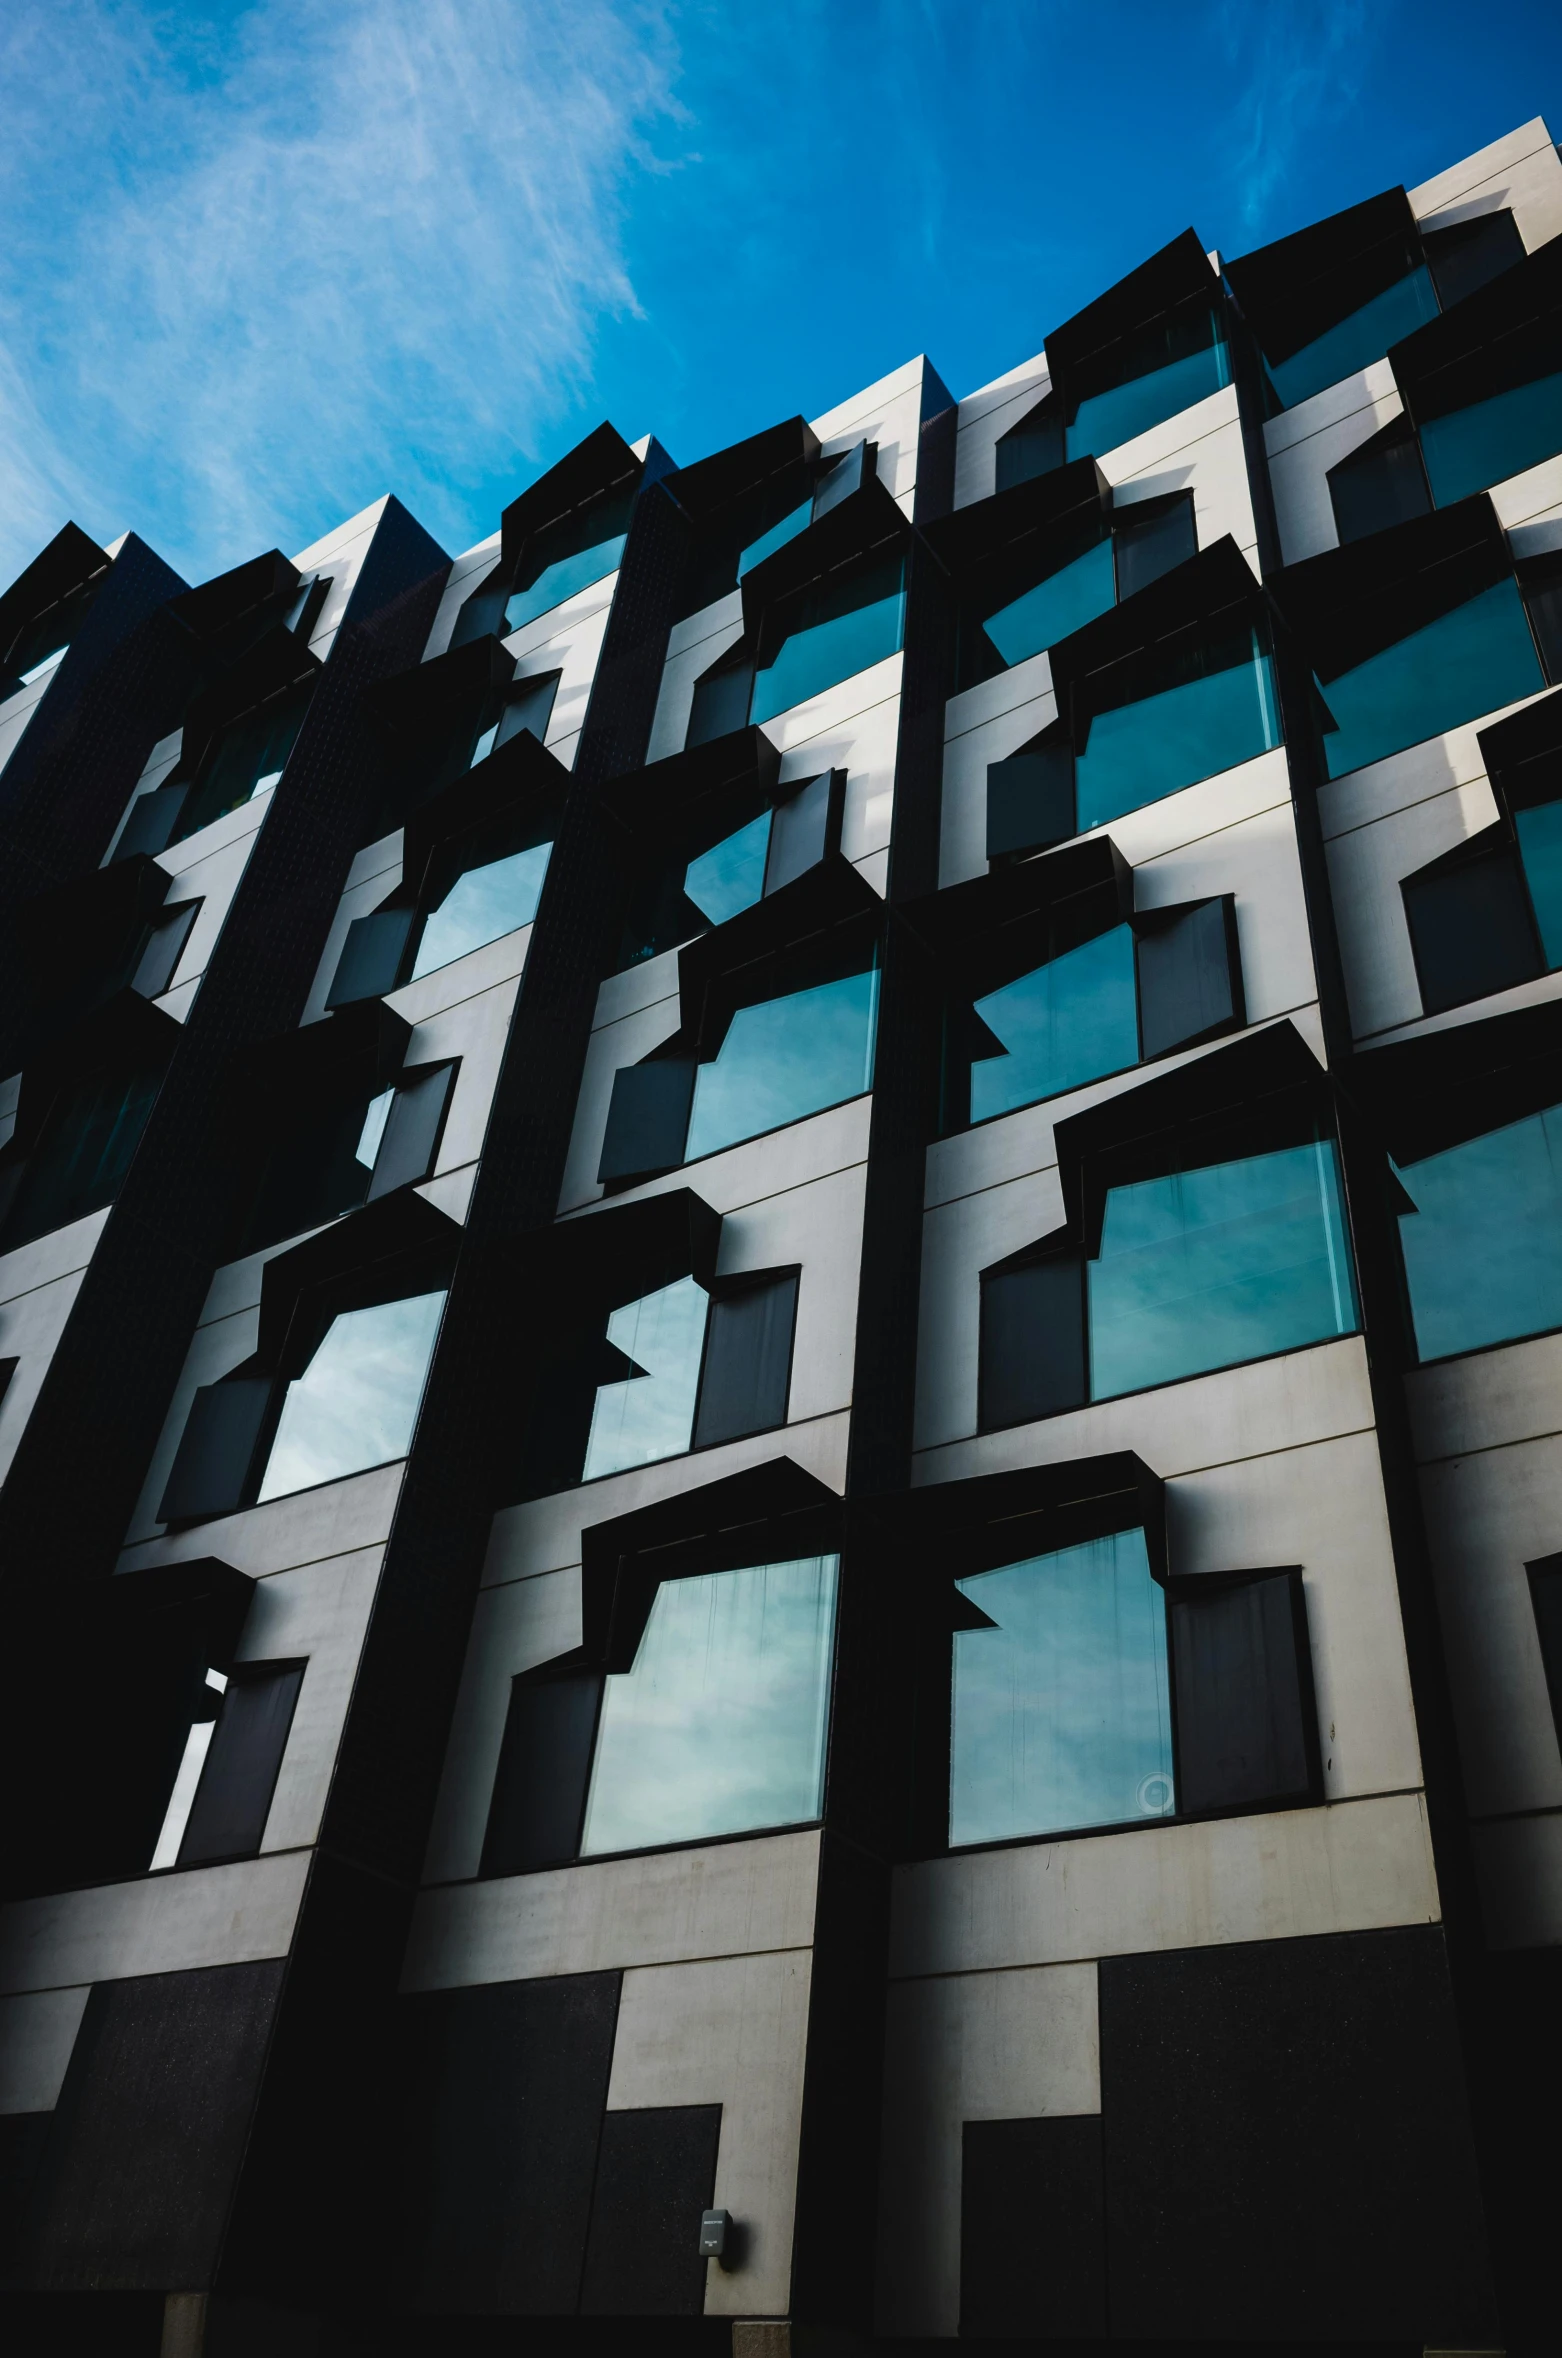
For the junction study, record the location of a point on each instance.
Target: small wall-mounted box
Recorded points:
(715, 2235)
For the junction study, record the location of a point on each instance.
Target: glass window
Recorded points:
(1066, 1023)
(783, 1059)
(1483, 1247)
(248, 758)
(1063, 602)
(1470, 449)
(650, 1414)
(731, 875)
(1355, 342)
(1540, 848)
(1139, 752)
(564, 578)
(720, 1726)
(829, 636)
(1062, 1709)
(80, 1162)
(1474, 659)
(482, 906)
(1206, 1268)
(1180, 362)
(776, 538)
(356, 1402)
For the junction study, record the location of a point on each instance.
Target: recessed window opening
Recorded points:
(1380, 485)
(249, 757)
(569, 555)
(699, 884)
(1067, 1022)
(355, 1403)
(1473, 659)
(1470, 254)
(786, 1058)
(1361, 337)
(165, 946)
(227, 1775)
(1132, 550)
(1470, 449)
(837, 628)
(1482, 1246)
(649, 1413)
(1218, 708)
(83, 1152)
(1146, 378)
(482, 905)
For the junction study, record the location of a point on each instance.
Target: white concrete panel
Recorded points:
(37, 2032)
(644, 984)
(178, 1002)
(333, 1519)
(1208, 459)
(1221, 801)
(976, 2047)
(1303, 450)
(513, 1629)
(474, 1031)
(822, 717)
(1366, 866)
(985, 724)
(1257, 860)
(46, 1258)
(212, 878)
(694, 645)
(611, 1046)
(730, 1899)
(1413, 775)
(362, 895)
(567, 640)
(152, 1924)
(1523, 501)
(731, 2031)
(31, 1325)
(451, 1192)
(864, 745)
(1521, 171)
(984, 417)
(376, 858)
(18, 710)
(1513, 1393)
(161, 761)
(1518, 1870)
(1538, 993)
(873, 868)
(1356, 1866)
(542, 1534)
(1487, 1516)
(1159, 445)
(340, 554)
(236, 1285)
(482, 969)
(465, 574)
(820, 1227)
(321, 1614)
(1205, 1420)
(216, 1348)
(888, 414)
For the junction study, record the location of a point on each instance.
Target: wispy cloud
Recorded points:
(1301, 65)
(259, 254)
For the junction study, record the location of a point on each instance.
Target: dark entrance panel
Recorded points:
(655, 2175)
(1032, 2231)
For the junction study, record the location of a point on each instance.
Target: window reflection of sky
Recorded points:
(1468, 450)
(783, 1059)
(1483, 1248)
(562, 580)
(1105, 420)
(1064, 1024)
(720, 1725)
(809, 661)
(356, 1402)
(1062, 1713)
(650, 1415)
(1356, 341)
(1539, 830)
(1139, 752)
(1205, 1268)
(1465, 663)
(1072, 596)
(731, 875)
(482, 906)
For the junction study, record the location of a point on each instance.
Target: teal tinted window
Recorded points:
(482, 906)
(356, 1402)
(249, 757)
(1117, 414)
(1206, 1268)
(1540, 848)
(650, 1413)
(720, 1725)
(1062, 1710)
(1067, 599)
(776, 538)
(731, 875)
(1355, 342)
(1472, 660)
(1483, 1248)
(79, 1164)
(1140, 752)
(783, 1059)
(1068, 1022)
(1470, 449)
(564, 578)
(836, 633)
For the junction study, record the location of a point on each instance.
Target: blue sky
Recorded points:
(261, 263)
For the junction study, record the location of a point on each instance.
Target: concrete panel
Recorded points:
(483, 969)
(613, 1045)
(985, 724)
(978, 2047)
(37, 2032)
(1518, 1869)
(567, 640)
(732, 1899)
(694, 645)
(889, 414)
(236, 1285)
(321, 1614)
(216, 1348)
(1521, 171)
(1353, 1867)
(362, 895)
(31, 1325)
(333, 1519)
(633, 988)
(513, 1629)
(1350, 413)
(213, 878)
(46, 1258)
(743, 1174)
(465, 574)
(543, 1534)
(1257, 860)
(1330, 407)
(864, 745)
(164, 754)
(340, 553)
(1238, 1412)
(1206, 458)
(451, 1192)
(1529, 500)
(1487, 1516)
(1366, 867)
(1538, 993)
(820, 1226)
(829, 712)
(1513, 1393)
(376, 859)
(732, 2032)
(18, 710)
(1411, 776)
(984, 416)
(152, 1924)
(476, 1031)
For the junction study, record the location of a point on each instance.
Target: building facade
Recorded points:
(779, 1269)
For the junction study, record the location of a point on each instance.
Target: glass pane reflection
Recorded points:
(1105, 420)
(720, 1726)
(783, 1059)
(563, 580)
(1471, 449)
(651, 1413)
(1068, 1022)
(731, 875)
(776, 538)
(1062, 1712)
(356, 1402)
(1355, 342)
(809, 661)
(1539, 832)
(1483, 1248)
(1207, 1268)
(1472, 660)
(482, 906)
(1067, 599)
(1140, 752)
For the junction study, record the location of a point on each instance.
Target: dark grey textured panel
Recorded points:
(1246, 1720)
(371, 957)
(234, 1795)
(506, 2090)
(1288, 2148)
(211, 1465)
(540, 1790)
(150, 2129)
(1190, 981)
(748, 1362)
(1032, 1349)
(412, 1129)
(1030, 801)
(1032, 2230)
(648, 1118)
(655, 2175)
